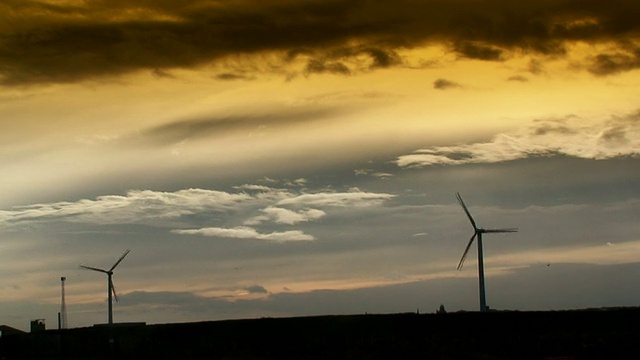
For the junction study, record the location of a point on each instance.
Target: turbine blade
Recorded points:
(508, 230)
(113, 290)
(466, 211)
(466, 251)
(119, 260)
(94, 269)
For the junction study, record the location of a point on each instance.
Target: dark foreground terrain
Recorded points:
(562, 335)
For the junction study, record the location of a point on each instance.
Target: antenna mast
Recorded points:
(63, 307)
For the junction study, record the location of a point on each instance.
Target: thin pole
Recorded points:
(62, 317)
(483, 300)
(110, 300)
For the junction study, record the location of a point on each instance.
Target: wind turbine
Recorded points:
(110, 288)
(477, 232)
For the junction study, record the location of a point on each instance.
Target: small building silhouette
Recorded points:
(38, 325)
(8, 330)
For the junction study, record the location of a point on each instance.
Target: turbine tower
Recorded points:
(110, 288)
(477, 232)
(63, 307)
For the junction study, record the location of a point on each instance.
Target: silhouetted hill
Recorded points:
(583, 334)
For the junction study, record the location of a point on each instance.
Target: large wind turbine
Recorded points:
(477, 232)
(110, 288)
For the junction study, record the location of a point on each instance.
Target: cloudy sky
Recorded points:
(288, 158)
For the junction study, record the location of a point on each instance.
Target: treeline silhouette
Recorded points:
(584, 334)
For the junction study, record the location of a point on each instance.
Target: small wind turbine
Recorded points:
(110, 288)
(477, 232)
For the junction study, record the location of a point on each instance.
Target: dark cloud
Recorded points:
(175, 132)
(443, 84)
(231, 76)
(518, 78)
(43, 42)
(536, 67)
(256, 289)
(319, 66)
(607, 64)
(546, 127)
(338, 61)
(159, 73)
(479, 52)
(616, 135)
(381, 58)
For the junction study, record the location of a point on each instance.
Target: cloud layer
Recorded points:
(162, 209)
(51, 41)
(570, 136)
(244, 232)
(134, 207)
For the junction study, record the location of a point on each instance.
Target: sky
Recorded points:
(293, 158)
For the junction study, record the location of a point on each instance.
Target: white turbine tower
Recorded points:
(477, 232)
(110, 288)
